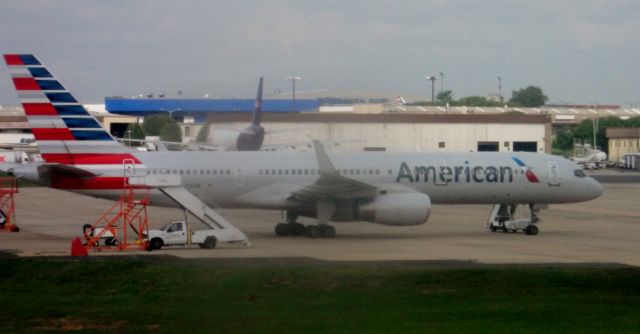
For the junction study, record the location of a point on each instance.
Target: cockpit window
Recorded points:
(579, 173)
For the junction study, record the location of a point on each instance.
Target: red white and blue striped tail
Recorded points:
(65, 132)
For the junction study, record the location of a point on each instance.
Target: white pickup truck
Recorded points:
(180, 233)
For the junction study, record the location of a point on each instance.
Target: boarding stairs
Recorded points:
(171, 186)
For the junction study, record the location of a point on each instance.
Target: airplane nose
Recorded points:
(595, 189)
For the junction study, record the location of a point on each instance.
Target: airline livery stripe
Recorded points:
(39, 109)
(60, 97)
(50, 85)
(81, 123)
(26, 84)
(93, 183)
(52, 134)
(40, 72)
(89, 159)
(44, 122)
(91, 135)
(71, 110)
(79, 146)
(13, 60)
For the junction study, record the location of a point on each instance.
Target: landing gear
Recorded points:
(293, 228)
(503, 218)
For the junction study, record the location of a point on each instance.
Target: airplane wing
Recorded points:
(331, 185)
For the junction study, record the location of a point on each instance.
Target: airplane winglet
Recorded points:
(324, 163)
(257, 113)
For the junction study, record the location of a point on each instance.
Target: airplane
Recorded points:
(249, 138)
(395, 189)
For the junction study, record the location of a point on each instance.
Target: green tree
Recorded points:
(444, 97)
(203, 134)
(153, 124)
(531, 97)
(633, 122)
(564, 138)
(584, 131)
(171, 132)
(477, 101)
(136, 133)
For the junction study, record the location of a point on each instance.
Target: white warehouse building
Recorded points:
(397, 132)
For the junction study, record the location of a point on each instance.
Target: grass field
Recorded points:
(117, 296)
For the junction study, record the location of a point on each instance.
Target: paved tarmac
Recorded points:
(606, 230)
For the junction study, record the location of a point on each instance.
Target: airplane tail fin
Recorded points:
(257, 113)
(64, 131)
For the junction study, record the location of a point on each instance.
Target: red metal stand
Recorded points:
(8, 187)
(126, 218)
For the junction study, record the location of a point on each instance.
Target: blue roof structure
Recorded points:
(199, 108)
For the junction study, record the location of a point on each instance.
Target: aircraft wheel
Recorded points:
(297, 229)
(531, 230)
(327, 231)
(492, 228)
(313, 231)
(283, 230)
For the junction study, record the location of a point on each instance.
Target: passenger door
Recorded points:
(554, 174)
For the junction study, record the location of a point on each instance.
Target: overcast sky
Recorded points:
(577, 51)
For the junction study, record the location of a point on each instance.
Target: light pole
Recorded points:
(170, 111)
(441, 82)
(500, 89)
(293, 79)
(595, 127)
(433, 84)
(129, 136)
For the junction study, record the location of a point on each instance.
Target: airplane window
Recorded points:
(273, 172)
(306, 172)
(181, 172)
(148, 172)
(208, 171)
(228, 171)
(313, 171)
(175, 171)
(293, 172)
(286, 172)
(357, 172)
(377, 172)
(202, 172)
(390, 172)
(370, 171)
(299, 171)
(188, 172)
(350, 171)
(279, 171)
(579, 173)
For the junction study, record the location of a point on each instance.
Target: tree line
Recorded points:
(530, 97)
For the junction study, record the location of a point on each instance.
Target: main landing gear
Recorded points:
(503, 218)
(295, 229)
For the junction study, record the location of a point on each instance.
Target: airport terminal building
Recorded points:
(352, 130)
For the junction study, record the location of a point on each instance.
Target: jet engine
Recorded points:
(399, 209)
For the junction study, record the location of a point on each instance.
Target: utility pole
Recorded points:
(433, 83)
(293, 80)
(441, 82)
(500, 89)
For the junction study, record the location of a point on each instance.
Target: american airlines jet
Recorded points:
(395, 189)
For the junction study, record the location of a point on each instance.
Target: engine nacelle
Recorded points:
(399, 209)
